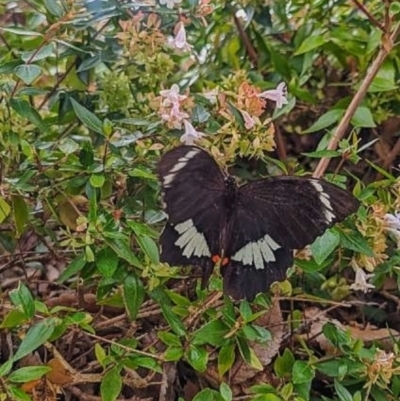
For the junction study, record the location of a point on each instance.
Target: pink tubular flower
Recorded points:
(190, 135)
(172, 96)
(277, 95)
(175, 117)
(179, 41)
(248, 120)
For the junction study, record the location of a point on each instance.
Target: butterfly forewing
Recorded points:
(193, 190)
(294, 211)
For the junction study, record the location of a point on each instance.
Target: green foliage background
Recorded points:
(80, 135)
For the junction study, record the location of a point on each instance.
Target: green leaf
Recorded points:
(20, 31)
(86, 156)
(178, 299)
(149, 247)
(25, 110)
(97, 180)
(89, 119)
(141, 173)
(248, 354)
(5, 210)
(335, 368)
(73, 268)
(245, 311)
(18, 394)
(326, 120)
(338, 337)
(200, 114)
(122, 249)
(165, 304)
(354, 241)
(385, 79)
(205, 395)
(225, 391)
(197, 358)
(27, 72)
(22, 298)
(363, 118)
(226, 357)
(68, 146)
(283, 364)
(323, 153)
(170, 339)
(100, 354)
(211, 333)
(13, 318)
(133, 295)
(6, 367)
(302, 372)
(324, 245)
(20, 213)
(173, 354)
(342, 392)
(311, 43)
(142, 229)
(36, 55)
(381, 170)
(28, 373)
(145, 362)
(36, 336)
(107, 262)
(111, 385)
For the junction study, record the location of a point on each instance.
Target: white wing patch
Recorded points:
(324, 198)
(257, 252)
(182, 161)
(191, 241)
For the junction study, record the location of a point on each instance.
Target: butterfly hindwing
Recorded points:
(271, 218)
(246, 281)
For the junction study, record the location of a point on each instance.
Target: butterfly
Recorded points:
(250, 230)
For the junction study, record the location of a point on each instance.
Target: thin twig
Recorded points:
(356, 101)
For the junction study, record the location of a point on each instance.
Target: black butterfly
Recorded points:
(251, 230)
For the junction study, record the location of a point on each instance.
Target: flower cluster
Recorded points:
(373, 230)
(172, 112)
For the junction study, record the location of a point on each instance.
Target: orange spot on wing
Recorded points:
(217, 259)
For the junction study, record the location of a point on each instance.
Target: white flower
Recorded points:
(172, 96)
(190, 135)
(393, 225)
(277, 95)
(393, 221)
(169, 3)
(179, 41)
(360, 283)
(248, 120)
(211, 95)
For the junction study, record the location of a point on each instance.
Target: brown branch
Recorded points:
(246, 41)
(392, 155)
(356, 101)
(374, 21)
